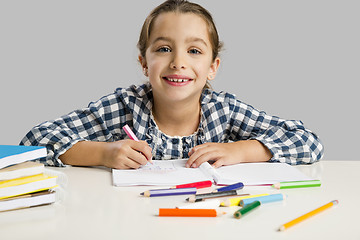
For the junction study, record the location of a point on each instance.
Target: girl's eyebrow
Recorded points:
(187, 40)
(166, 39)
(196, 39)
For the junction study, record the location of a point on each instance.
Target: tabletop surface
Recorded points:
(91, 208)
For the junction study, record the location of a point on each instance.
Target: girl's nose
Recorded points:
(178, 62)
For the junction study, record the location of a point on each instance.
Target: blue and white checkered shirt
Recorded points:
(223, 119)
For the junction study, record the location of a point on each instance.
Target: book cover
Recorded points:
(14, 154)
(21, 170)
(27, 200)
(19, 186)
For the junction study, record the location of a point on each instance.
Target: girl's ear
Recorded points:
(143, 65)
(213, 68)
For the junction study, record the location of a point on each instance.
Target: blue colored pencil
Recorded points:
(234, 186)
(263, 199)
(169, 192)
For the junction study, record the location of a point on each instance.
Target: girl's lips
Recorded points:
(178, 82)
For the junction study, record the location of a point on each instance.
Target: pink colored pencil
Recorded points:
(130, 133)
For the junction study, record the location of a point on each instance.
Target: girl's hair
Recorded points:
(181, 6)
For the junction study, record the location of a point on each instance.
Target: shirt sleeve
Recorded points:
(288, 140)
(98, 122)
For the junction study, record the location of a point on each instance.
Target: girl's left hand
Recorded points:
(221, 153)
(228, 153)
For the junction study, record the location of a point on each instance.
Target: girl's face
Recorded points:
(179, 57)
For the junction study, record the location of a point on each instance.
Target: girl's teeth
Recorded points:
(177, 80)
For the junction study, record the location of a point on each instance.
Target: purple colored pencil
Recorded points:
(169, 192)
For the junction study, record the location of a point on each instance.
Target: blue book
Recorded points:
(15, 154)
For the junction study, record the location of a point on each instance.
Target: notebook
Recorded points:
(174, 172)
(24, 185)
(13, 154)
(27, 200)
(24, 169)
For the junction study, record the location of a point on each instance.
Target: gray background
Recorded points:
(293, 59)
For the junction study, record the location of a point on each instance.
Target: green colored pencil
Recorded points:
(247, 208)
(297, 184)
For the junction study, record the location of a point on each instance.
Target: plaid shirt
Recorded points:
(223, 119)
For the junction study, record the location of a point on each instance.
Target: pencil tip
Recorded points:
(191, 199)
(280, 229)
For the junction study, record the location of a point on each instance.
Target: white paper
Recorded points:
(161, 172)
(174, 172)
(260, 173)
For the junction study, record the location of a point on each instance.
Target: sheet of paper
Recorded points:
(161, 172)
(260, 173)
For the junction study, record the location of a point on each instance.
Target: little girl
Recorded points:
(176, 114)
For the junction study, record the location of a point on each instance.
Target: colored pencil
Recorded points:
(235, 186)
(246, 209)
(235, 201)
(130, 133)
(176, 212)
(202, 184)
(297, 184)
(263, 199)
(201, 197)
(169, 192)
(307, 215)
(208, 204)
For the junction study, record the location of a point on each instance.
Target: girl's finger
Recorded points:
(205, 157)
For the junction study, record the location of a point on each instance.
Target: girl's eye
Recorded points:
(194, 51)
(164, 49)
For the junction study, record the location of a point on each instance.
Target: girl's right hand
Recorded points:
(127, 154)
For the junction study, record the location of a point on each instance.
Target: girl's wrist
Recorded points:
(107, 152)
(253, 151)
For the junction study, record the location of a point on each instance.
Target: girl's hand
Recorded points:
(228, 153)
(127, 154)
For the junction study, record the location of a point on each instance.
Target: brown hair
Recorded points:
(181, 6)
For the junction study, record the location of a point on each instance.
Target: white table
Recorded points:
(94, 209)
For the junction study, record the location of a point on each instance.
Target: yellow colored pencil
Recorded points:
(236, 200)
(308, 215)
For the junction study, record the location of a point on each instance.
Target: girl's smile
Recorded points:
(177, 80)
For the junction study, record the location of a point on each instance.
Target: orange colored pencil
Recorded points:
(177, 212)
(308, 215)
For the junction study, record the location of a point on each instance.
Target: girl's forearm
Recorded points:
(85, 153)
(254, 151)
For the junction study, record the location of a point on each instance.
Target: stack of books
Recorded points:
(23, 182)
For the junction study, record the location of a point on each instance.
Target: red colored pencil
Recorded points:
(203, 184)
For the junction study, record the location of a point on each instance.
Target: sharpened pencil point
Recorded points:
(191, 199)
(146, 194)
